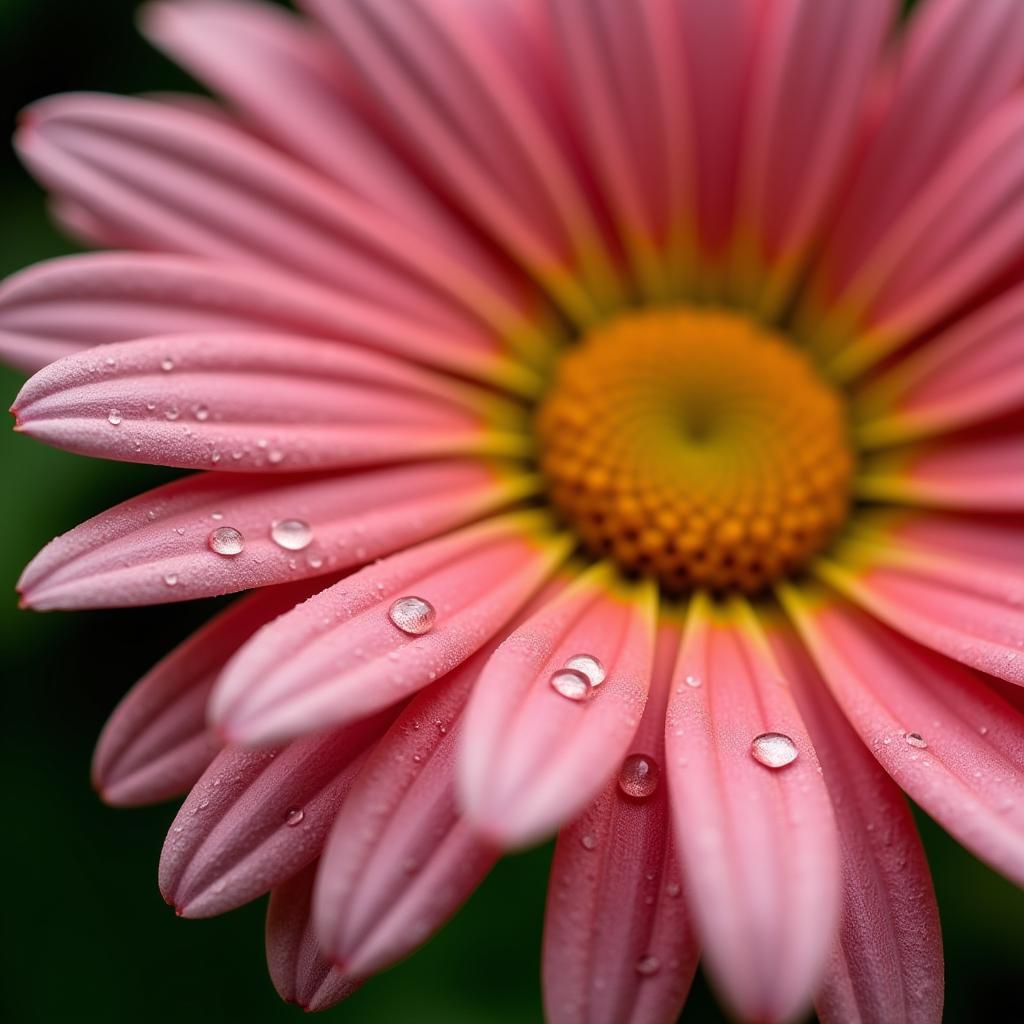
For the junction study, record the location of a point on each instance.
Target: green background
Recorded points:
(88, 937)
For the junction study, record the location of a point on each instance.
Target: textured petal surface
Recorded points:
(257, 817)
(758, 844)
(601, 965)
(157, 743)
(887, 962)
(531, 758)
(401, 859)
(340, 656)
(300, 972)
(970, 776)
(253, 403)
(156, 548)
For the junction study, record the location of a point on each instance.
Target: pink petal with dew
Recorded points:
(602, 966)
(440, 84)
(257, 817)
(968, 609)
(227, 401)
(887, 962)
(157, 548)
(950, 741)
(285, 79)
(400, 859)
(58, 307)
(978, 470)
(757, 841)
(193, 184)
(156, 743)
(957, 62)
(972, 372)
(532, 758)
(300, 972)
(814, 62)
(340, 656)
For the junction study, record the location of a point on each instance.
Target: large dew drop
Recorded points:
(571, 684)
(915, 739)
(413, 615)
(291, 534)
(639, 776)
(114, 418)
(774, 749)
(589, 666)
(226, 540)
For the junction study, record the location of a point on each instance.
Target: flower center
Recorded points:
(697, 446)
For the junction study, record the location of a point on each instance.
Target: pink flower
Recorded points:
(615, 409)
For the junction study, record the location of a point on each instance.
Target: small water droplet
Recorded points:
(291, 534)
(226, 540)
(274, 456)
(648, 965)
(572, 685)
(915, 739)
(217, 515)
(588, 842)
(114, 417)
(167, 365)
(638, 776)
(413, 615)
(589, 666)
(171, 580)
(774, 749)
(693, 681)
(172, 413)
(294, 817)
(202, 413)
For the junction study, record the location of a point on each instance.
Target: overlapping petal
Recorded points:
(156, 548)
(340, 656)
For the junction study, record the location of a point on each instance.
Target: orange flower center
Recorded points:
(697, 446)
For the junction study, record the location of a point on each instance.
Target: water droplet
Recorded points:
(167, 365)
(572, 685)
(217, 515)
(588, 842)
(915, 739)
(294, 817)
(648, 965)
(413, 615)
(774, 749)
(202, 413)
(171, 580)
(114, 417)
(172, 413)
(693, 681)
(589, 666)
(274, 456)
(638, 776)
(291, 534)
(226, 540)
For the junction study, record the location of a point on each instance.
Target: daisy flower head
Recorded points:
(614, 411)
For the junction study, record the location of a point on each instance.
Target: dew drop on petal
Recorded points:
(693, 681)
(202, 413)
(915, 739)
(648, 965)
(114, 417)
(773, 749)
(274, 456)
(171, 580)
(571, 684)
(294, 817)
(589, 666)
(413, 615)
(639, 776)
(588, 842)
(291, 534)
(226, 540)
(172, 413)
(167, 365)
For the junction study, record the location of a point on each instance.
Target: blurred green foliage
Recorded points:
(88, 937)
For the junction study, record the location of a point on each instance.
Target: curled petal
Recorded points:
(953, 744)
(887, 961)
(299, 970)
(257, 817)
(254, 403)
(340, 656)
(757, 841)
(157, 742)
(532, 758)
(603, 966)
(400, 858)
(156, 548)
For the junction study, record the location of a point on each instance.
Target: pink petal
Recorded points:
(400, 860)
(156, 743)
(300, 972)
(618, 945)
(227, 401)
(758, 844)
(257, 817)
(188, 183)
(887, 962)
(339, 656)
(970, 777)
(60, 306)
(134, 553)
(967, 608)
(531, 758)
